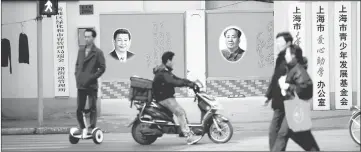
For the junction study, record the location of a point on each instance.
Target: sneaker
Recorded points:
(192, 139)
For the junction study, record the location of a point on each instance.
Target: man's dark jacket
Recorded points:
(89, 68)
(274, 90)
(164, 82)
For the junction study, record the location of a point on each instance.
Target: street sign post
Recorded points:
(48, 7)
(40, 66)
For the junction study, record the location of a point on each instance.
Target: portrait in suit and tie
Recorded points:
(122, 42)
(232, 44)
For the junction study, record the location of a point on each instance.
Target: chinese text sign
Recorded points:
(297, 23)
(342, 30)
(61, 75)
(320, 56)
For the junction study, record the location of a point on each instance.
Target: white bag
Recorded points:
(298, 114)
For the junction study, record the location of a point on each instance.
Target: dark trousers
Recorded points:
(276, 122)
(92, 95)
(280, 133)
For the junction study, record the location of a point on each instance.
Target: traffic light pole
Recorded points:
(40, 65)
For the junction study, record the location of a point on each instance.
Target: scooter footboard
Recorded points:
(72, 131)
(198, 130)
(171, 129)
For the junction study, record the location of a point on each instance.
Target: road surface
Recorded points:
(328, 140)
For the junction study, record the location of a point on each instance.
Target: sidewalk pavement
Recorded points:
(246, 114)
(327, 140)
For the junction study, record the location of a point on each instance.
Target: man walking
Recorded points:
(279, 132)
(283, 41)
(90, 65)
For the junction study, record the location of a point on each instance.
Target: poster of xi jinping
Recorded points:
(134, 43)
(122, 40)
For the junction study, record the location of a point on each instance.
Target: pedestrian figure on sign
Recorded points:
(49, 6)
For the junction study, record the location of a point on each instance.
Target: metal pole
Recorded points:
(40, 65)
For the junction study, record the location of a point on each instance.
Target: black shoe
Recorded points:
(181, 135)
(90, 130)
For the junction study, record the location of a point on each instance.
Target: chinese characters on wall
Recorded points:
(264, 49)
(162, 43)
(60, 52)
(343, 84)
(320, 56)
(297, 23)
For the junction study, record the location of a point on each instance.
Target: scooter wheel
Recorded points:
(73, 140)
(98, 136)
(220, 137)
(139, 137)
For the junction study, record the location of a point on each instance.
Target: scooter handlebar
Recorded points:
(196, 88)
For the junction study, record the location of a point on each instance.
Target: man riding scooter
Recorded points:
(163, 90)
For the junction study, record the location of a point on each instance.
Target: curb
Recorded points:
(33, 131)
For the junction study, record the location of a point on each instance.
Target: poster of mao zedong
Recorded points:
(122, 41)
(232, 44)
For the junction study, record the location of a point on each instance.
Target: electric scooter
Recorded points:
(96, 134)
(154, 120)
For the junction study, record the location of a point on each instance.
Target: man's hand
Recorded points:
(192, 84)
(266, 102)
(88, 82)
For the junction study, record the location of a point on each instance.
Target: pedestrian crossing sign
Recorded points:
(48, 7)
